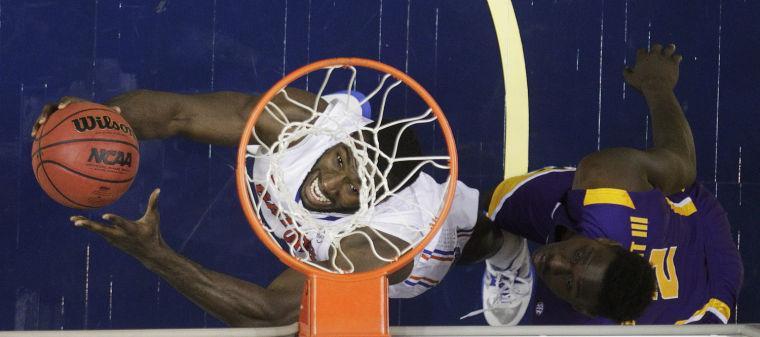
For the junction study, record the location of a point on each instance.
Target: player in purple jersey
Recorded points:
(626, 228)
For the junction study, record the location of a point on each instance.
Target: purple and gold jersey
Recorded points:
(686, 237)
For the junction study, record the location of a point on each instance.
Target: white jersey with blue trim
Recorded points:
(345, 112)
(435, 260)
(399, 216)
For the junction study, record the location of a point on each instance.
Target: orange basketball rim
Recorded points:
(326, 310)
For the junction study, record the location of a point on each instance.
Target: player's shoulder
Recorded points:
(614, 199)
(615, 213)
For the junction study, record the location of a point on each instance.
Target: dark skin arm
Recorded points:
(234, 301)
(671, 164)
(214, 118)
(231, 300)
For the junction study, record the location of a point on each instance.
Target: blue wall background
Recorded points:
(54, 276)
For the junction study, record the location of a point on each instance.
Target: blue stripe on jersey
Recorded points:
(439, 252)
(366, 109)
(418, 283)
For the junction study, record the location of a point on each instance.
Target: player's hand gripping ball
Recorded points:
(85, 155)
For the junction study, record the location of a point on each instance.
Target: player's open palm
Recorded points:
(654, 69)
(50, 108)
(139, 238)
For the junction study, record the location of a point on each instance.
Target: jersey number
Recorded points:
(667, 284)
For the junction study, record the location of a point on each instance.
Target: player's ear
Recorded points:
(607, 241)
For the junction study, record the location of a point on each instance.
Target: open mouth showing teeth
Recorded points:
(317, 193)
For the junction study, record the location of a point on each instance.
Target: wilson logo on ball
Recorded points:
(88, 123)
(110, 157)
(93, 142)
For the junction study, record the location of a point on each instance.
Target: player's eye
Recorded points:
(569, 283)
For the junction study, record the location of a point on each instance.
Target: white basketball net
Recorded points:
(300, 229)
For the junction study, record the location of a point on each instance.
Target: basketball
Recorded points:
(85, 155)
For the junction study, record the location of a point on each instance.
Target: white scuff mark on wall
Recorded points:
(118, 34)
(213, 58)
(213, 46)
(738, 247)
(18, 186)
(646, 131)
(406, 49)
(435, 51)
(62, 312)
(380, 33)
(161, 6)
(110, 298)
(94, 50)
(203, 216)
(86, 286)
(158, 292)
(717, 100)
(285, 38)
(308, 41)
(739, 175)
(601, 61)
(625, 42)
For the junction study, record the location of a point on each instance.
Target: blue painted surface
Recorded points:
(575, 51)
(54, 276)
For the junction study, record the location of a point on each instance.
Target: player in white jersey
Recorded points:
(326, 182)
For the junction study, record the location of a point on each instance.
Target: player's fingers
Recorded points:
(46, 110)
(656, 49)
(116, 109)
(99, 228)
(640, 53)
(119, 222)
(677, 58)
(66, 100)
(153, 200)
(77, 217)
(669, 50)
(151, 212)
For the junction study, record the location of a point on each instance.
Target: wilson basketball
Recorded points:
(85, 155)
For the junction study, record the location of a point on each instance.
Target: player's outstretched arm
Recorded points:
(671, 164)
(215, 118)
(234, 301)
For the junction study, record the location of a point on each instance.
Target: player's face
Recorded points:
(573, 269)
(332, 185)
